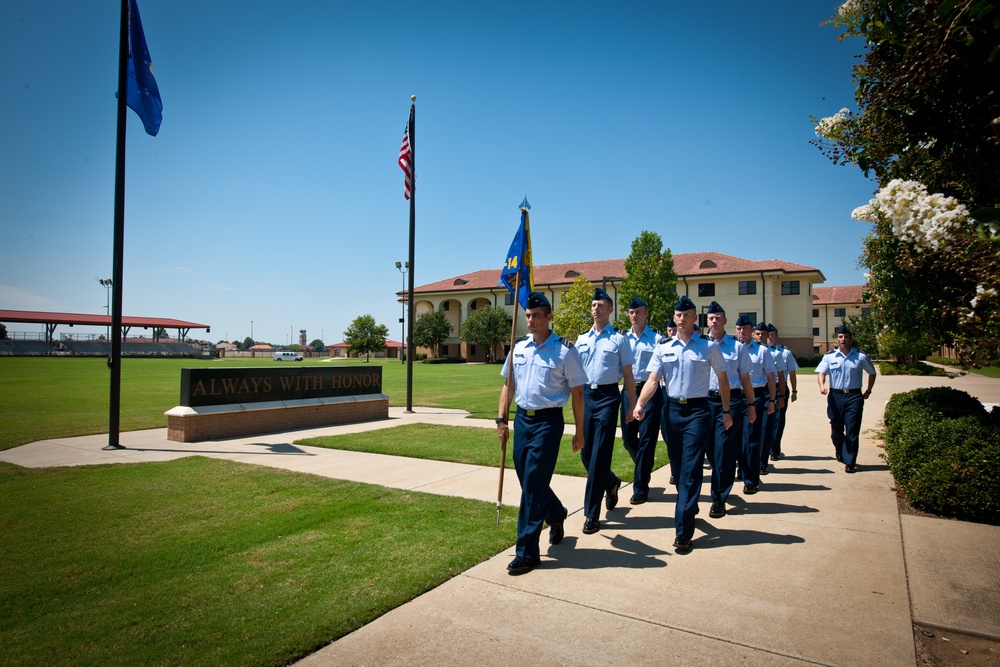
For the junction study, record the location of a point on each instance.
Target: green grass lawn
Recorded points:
(210, 562)
(52, 397)
(474, 446)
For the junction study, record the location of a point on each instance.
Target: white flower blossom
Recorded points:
(831, 127)
(849, 9)
(929, 221)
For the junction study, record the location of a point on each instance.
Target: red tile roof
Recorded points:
(686, 265)
(38, 317)
(839, 294)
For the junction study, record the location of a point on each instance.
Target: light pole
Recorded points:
(107, 284)
(403, 267)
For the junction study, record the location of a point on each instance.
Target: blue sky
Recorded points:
(271, 193)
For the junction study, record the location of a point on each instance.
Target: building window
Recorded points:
(508, 299)
(789, 287)
(750, 316)
(472, 306)
(815, 349)
(748, 287)
(703, 322)
(706, 289)
(840, 312)
(472, 350)
(444, 350)
(446, 305)
(815, 331)
(815, 312)
(865, 311)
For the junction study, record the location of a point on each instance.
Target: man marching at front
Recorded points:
(546, 372)
(607, 358)
(845, 403)
(686, 362)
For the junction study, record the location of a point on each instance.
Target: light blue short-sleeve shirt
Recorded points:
(686, 369)
(604, 354)
(845, 371)
(737, 362)
(643, 347)
(544, 374)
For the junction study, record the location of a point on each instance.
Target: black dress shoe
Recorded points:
(682, 544)
(749, 489)
(850, 468)
(763, 470)
(521, 565)
(840, 459)
(556, 529)
(637, 499)
(611, 495)
(591, 526)
(673, 480)
(777, 456)
(718, 509)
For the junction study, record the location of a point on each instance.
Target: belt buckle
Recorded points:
(531, 413)
(682, 400)
(593, 385)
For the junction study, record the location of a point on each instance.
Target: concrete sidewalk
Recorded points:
(817, 568)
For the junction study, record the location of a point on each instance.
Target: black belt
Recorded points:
(759, 391)
(733, 393)
(847, 391)
(537, 413)
(701, 400)
(605, 387)
(640, 385)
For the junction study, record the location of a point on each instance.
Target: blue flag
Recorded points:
(141, 93)
(518, 261)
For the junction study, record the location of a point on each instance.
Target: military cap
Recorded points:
(601, 295)
(743, 321)
(771, 327)
(714, 308)
(636, 302)
(671, 324)
(843, 329)
(684, 303)
(761, 326)
(538, 300)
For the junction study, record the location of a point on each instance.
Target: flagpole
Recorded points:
(410, 353)
(507, 383)
(114, 361)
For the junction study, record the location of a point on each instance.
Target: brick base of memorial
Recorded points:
(225, 403)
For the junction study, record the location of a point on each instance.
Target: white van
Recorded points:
(287, 356)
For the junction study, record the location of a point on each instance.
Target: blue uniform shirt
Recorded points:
(604, 354)
(643, 347)
(685, 369)
(543, 374)
(845, 371)
(790, 363)
(779, 360)
(737, 362)
(761, 363)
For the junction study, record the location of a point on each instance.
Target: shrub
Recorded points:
(944, 452)
(446, 360)
(903, 368)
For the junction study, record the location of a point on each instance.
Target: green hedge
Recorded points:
(903, 368)
(445, 360)
(944, 451)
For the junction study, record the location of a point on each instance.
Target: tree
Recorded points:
(317, 345)
(650, 275)
(926, 129)
(864, 333)
(246, 344)
(364, 336)
(573, 317)
(488, 327)
(431, 330)
(3, 331)
(159, 332)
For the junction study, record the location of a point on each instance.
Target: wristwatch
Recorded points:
(501, 420)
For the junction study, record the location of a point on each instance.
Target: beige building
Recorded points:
(830, 305)
(770, 291)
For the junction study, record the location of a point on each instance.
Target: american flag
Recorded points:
(406, 156)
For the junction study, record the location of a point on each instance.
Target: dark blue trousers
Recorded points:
(780, 430)
(536, 448)
(664, 420)
(600, 420)
(639, 438)
(726, 444)
(753, 441)
(769, 433)
(689, 431)
(845, 412)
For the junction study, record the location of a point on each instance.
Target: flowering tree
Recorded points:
(650, 275)
(927, 129)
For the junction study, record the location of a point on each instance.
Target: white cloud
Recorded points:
(15, 298)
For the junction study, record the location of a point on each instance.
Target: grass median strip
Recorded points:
(206, 561)
(470, 445)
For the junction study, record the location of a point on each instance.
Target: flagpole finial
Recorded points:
(413, 98)
(524, 204)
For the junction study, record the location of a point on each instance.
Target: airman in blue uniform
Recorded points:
(726, 443)
(686, 362)
(639, 437)
(546, 372)
(762, 377)
(791, 383)
(607, 359)
(845, 402)
(770, 429)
